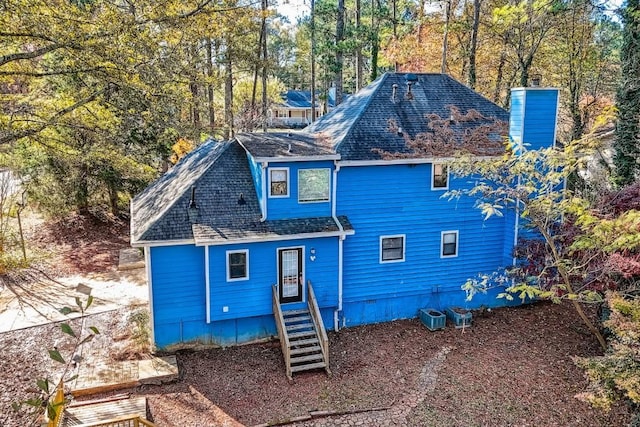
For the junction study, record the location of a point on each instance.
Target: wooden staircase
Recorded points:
(303, 339)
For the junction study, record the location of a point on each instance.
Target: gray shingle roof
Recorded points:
(268, 229)
(282, 145)
(160, 211)
(361, 123)
(226, 200)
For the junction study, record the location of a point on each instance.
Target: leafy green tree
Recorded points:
(627, 143)
(616, 374)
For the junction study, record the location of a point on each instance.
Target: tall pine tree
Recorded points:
(627, 143)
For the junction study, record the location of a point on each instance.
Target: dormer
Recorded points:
(293, 174)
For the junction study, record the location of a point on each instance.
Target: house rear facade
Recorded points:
(236, 231)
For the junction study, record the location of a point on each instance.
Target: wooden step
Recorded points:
(308, 367)
(300, 326)
(303, 342)
(295, 312)
(308, 358)
(290, 320)
(296, 335)
(304, 350)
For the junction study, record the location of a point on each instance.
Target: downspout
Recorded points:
(336, 323)
(147, 266)
(207, 284)
(263, 218)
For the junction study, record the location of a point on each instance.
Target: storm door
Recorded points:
(290, 272)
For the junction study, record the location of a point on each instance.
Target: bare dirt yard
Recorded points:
(513, 367)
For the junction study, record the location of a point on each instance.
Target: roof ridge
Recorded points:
(201, 153)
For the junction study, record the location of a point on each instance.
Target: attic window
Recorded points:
(439, 177)
(279, 182)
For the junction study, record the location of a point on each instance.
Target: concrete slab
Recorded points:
(101, 376)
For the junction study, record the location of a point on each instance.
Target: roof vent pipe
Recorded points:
(394, 95)
(192, 202)
(536, 79)
(409, 93)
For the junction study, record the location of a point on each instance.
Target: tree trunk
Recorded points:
(265, 5)
(358, 53)
(375, 42)
(339, 54)
(210, 107)
(447, 12)
(473, 44)
(313, 61)
(228, 94)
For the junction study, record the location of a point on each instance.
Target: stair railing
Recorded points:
(282, 332)
(319, 324)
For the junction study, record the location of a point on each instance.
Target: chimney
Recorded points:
(533, 117)
(394, 93)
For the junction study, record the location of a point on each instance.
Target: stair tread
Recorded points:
(293, 343)
(300, 326)
(307, 358)
(295, 312)
(294, 335)
(308, 366)
(304, 350)
(290, 320)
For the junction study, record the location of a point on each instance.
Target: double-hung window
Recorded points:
(439, 176)
(237, 265)
(449, 244)
(392, 248)
(279, 182)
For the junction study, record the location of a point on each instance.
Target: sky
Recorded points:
(293, 9)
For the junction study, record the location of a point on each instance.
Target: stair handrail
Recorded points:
(319, 324)
(282, 332)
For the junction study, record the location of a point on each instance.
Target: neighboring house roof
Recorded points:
(226, 200)
(359, 127)
(286, 145)
(302, 99)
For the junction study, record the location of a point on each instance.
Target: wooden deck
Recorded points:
(81, 414)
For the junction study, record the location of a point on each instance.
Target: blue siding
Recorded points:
(258, 177)
(288, 207)
(179, 291)
(533, 117)
(246, 298)
(390, 200)
(178, 285)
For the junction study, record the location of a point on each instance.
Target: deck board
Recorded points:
(85, 414)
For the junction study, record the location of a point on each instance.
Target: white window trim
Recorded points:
(433, 174)
(246, 254)
(442, 243)
(404, 248)
(279, 196)
(328, 188)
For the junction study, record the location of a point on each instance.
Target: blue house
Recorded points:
(343, 224)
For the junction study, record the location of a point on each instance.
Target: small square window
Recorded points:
(279, 182)
(392, 248)
(449, 245)
(237, 265)
(440, 176)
